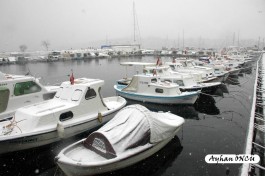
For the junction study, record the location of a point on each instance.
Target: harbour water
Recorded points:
(215, 124)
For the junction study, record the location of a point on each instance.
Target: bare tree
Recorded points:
(23, 48)
(45, 44)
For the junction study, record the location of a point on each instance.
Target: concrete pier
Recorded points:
(256, 116)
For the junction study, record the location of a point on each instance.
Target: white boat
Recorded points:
(148, 88)
(19, 90)
(76, 108)
(134, 134)
(188, 66)
(185, 81)
(126, 80)
(54, 56)
(233, 68)
(219, 68)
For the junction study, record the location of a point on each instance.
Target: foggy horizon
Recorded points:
(67, 24)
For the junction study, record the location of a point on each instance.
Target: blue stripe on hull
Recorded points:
(184, 99)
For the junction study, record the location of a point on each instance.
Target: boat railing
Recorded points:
(256, 123)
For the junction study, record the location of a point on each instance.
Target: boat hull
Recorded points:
(37, 139)
(234, 72)
(81, 170)
(181, 99)
(203, 87)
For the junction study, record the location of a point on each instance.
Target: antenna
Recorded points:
(134, 22)
(183, 38)
(234, 39)
(238, 39)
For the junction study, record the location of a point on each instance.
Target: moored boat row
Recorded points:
(78, 107)
(174, 81)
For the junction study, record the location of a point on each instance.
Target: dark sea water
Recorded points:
(213, 125)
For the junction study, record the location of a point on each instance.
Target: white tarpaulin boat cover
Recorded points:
(133, 126)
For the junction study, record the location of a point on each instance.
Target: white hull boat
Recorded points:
(74, 109)
(17, 91)
(185, 98)
(200, 73)
(187, 83)
(147, 88)
(134, 134)
(234, 71)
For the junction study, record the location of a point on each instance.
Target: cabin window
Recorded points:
(172, 67)
(90, 94)
(153, 80)
(159, 90)
(4, 94)
(26, 88)
(179, 82)
(66, 116)
(77, 95)
(48, 96)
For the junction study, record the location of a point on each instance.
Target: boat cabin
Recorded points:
(148, 84)
(181, 80)
(199, 73)
(160, 71)
(71, 102)
(18, 90)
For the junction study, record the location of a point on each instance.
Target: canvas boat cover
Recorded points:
(133, 126)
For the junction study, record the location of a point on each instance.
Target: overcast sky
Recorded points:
(79, 23)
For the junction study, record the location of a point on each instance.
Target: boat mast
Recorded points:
(238, 39)
(183, 39)
(134, 22)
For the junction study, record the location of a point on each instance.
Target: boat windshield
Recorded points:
(4, 94)
(28, 87)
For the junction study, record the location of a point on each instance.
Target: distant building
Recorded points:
(123, 48)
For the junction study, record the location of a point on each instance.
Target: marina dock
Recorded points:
(256, 128)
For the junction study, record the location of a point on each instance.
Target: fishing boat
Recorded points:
(220, 70)
(149, 88)
(21, 90)
(134, 134)
(126, 80)
(206, 74)
(76, 107)
(187, 83)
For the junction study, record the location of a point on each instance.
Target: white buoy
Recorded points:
(60, 129)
